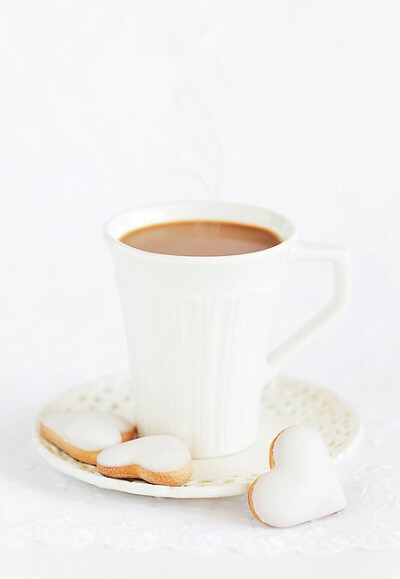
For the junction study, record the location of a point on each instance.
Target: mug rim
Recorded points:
(115, 241)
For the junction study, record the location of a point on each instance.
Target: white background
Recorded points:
(109, 105)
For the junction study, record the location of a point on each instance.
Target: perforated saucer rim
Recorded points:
(285, 402)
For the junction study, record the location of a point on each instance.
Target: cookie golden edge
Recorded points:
(85, 456)
(174, 478)
(251, 489)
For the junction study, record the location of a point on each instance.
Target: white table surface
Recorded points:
(39, 561)
(105, 106)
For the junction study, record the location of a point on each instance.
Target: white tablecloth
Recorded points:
(40, 504)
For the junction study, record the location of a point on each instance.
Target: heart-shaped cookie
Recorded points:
(158, 459)
(83, 434)
(301, 485)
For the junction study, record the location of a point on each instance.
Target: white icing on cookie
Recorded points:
(89, 430)
(302, 486)
(159, 453)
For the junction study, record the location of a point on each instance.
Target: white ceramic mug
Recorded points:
(198, 327)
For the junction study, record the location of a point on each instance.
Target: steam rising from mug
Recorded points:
(201, 113)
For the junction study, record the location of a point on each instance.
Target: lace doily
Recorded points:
(38, 503)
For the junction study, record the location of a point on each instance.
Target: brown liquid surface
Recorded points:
(201, 238)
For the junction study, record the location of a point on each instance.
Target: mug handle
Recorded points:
(340, 260)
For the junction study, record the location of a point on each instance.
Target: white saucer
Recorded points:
(286, 401)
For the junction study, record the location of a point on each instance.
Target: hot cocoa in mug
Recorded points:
(201, 238)
(198, 284)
